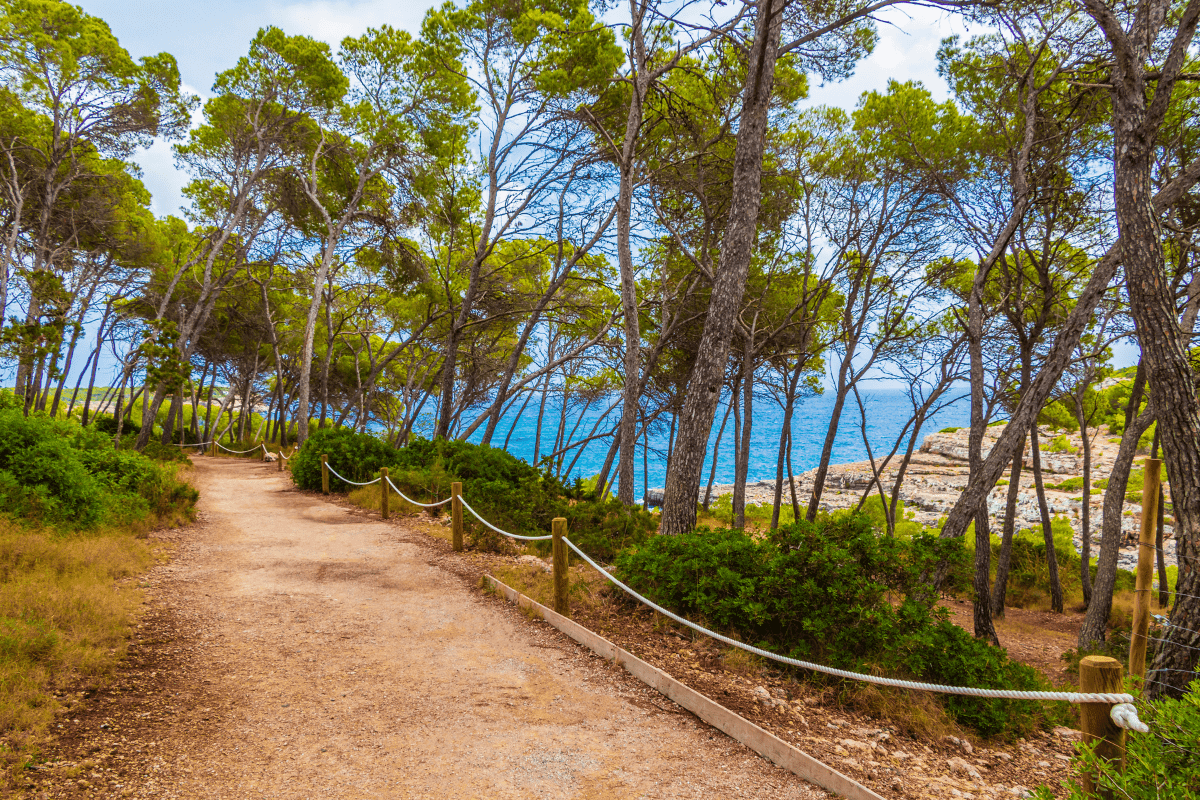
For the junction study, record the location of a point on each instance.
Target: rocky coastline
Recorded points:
(937, 474)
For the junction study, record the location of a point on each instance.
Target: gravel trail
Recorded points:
(328, 656)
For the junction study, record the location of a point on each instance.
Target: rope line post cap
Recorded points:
(1100, 725)
(559, 531)
(456, 518)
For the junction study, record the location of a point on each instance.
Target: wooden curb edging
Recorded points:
(735, 726)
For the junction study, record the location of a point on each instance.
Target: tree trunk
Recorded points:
(310, 330)
(1056, 593)
(632, 361)
(839, 402)
(704, 384)
(1159, 520)
(87, 400)
(1095, 622)
(168, 431)
(1004, 560)
(1165, 350)
(985, 628)
(742, 467)
(737, 443)
(1085, 513)
(537, 437)
(712, 472)
(66, 370)
(785, 437)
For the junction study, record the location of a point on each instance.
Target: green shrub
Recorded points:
(502, 488)
(60, 473)
(1060, 444)
(1162, 763)
(837, 593)
(42, 476)
(108, 424)
(357, 456)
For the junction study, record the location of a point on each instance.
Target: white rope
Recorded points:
(347, 480)
(1126, 718)
(408, 499)
(462, 500)
(236, 452)
(191, 444)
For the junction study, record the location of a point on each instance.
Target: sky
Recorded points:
(207, 37)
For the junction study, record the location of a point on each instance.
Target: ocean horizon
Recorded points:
(887, 411)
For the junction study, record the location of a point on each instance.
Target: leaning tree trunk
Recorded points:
(1095, 622)
(1056, 593)
(729, 285)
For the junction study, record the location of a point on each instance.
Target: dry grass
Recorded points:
(739, 662)
(585, 589)
(67, 605)
(371, 498)
(915, 714)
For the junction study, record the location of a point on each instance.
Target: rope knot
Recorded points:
(1125, 716)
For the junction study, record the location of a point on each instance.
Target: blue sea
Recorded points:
(887, 411)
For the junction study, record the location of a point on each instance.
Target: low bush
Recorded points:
(57, 472)
(1160, 764)
(502, 488)
(1060, 444)
(837, 593)
(107, 424)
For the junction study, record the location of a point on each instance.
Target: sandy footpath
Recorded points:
(321, 653)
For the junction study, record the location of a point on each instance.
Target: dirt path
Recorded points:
(302, 649)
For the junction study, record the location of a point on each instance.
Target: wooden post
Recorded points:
(383, 487)
(559, 529)
(1101, 674)
(324, 474)
(456, 516)
(280, 460)
(1145, 570)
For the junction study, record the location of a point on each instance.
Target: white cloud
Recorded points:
(907, 51)
(333, 20)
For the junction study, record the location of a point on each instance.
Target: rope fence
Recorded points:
(347, 480)
(1123, 713)
(497, 530)
(409, 500)
(1101, 707)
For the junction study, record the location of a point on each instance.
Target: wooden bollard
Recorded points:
(279, 459)
(383, 487)
(559, 529)
(1145, 569)
(324, 474)
(456, 536)
(1101, 674)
